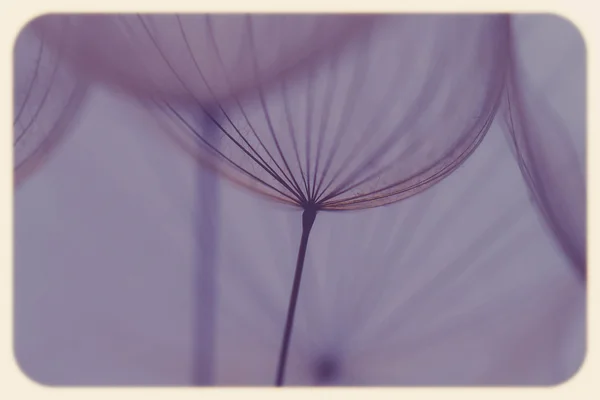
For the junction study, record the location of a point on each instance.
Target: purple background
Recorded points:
(459, 285)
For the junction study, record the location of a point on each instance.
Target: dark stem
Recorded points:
(308, 219)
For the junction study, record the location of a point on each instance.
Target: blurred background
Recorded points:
(459, 285)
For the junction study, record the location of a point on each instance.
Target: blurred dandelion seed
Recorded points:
(547, 155)
(46, 99)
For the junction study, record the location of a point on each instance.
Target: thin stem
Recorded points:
(308, 219)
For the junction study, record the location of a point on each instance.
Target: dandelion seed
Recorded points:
(376, 122)
(545, 149)
(46, 99)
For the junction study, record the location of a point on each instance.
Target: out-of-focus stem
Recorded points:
(308, 219)
(205, 271)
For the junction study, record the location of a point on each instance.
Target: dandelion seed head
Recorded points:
(396, 109)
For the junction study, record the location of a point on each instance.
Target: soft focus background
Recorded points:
(459, 285)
